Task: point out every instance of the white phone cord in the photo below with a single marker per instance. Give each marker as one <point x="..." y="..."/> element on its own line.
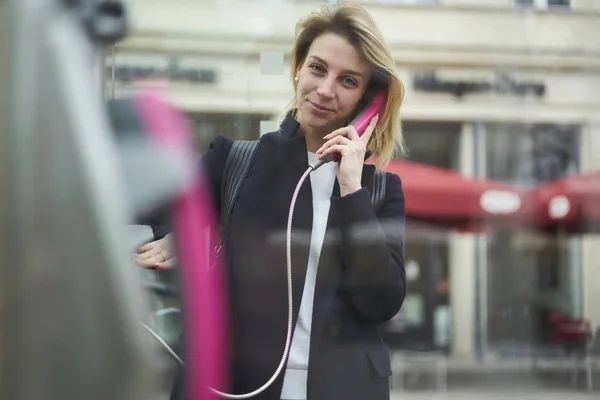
<point x="288" y="338"/>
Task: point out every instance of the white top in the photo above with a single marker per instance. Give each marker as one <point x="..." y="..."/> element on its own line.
<point x="294" y="381"/>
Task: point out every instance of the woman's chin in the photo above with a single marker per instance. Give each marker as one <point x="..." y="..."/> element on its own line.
<point x="319" y="123"/>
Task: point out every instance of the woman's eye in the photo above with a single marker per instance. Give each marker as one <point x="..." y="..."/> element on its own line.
<point x="316" y="67"/>
<point x="350" y="81"/>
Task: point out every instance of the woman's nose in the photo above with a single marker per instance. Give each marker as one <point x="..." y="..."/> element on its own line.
<point x="326" y="88"/>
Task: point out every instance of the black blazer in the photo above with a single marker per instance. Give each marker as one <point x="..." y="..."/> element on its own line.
<point x="360" y="282"/>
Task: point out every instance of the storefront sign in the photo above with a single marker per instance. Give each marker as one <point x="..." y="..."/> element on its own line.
<point x="173" y="72"/>
<point x="503" y="84"/>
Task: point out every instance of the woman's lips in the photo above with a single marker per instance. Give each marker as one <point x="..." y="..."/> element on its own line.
<point x="320" y="108"/>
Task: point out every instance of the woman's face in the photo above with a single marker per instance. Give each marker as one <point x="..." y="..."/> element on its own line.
<point x="331" y="82"/>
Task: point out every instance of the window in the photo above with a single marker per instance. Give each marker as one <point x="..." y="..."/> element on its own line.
<point x="234" y="126"/>
<point x="530" y="275"/>
<point x="543" y="4"/>
<point x="432" y="143"/>
<point x="531" y="154"/>
<point x="419" y="2"/>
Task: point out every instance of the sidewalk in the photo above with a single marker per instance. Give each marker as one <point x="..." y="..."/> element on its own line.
<point x="483" y="395"/>
<point x="509" y="377"/>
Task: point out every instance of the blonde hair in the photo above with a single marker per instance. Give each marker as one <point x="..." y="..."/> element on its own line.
<point x="354" y="23"/>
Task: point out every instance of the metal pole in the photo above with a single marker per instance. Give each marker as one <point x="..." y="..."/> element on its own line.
<point x="7" y="286"/>
<point x="99" y="70"/>
<point x="112" y="71"/>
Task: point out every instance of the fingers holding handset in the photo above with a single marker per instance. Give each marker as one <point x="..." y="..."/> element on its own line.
<point x="347" y="141"/>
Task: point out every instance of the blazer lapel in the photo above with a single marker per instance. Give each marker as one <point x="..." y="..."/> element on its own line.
<point x="291" y="158"/>
<point x="292" y="161"/>
<point x="330" y="266"/>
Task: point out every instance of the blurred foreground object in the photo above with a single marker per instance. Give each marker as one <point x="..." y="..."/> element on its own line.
<point x="146" y="125"/>
<point x="71" y="305"/>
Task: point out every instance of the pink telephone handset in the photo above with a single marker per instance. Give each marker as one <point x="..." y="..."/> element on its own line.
<point x="364" y="117"/>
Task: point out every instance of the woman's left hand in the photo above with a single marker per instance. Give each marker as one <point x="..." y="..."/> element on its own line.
<point x="352" y="148"/>
<point x="157" y="254"/>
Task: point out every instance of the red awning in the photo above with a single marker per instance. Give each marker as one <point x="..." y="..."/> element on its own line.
<point x="572" y="202"/>
<point x="442" y="195"/>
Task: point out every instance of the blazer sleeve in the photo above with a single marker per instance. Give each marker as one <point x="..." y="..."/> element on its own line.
<point x="212" y="165"/>
<point x="372" y="247"/>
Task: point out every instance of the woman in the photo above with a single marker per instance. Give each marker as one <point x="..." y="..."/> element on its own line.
<point x="348" y="263"/>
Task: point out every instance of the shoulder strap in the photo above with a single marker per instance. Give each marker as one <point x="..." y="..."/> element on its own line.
<point x="378" y="189"/>
<point x="237" y="165"/>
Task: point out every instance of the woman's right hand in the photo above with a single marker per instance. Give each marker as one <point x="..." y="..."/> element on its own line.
<point x="157" y="254"/>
